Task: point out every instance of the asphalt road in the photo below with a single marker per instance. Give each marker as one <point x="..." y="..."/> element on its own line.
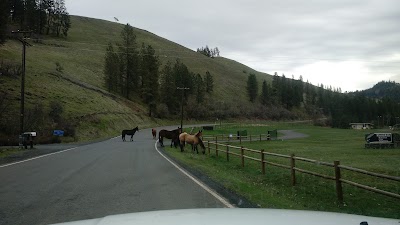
<point x="96" y="180"/>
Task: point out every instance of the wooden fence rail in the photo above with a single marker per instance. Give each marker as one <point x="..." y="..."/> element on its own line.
<point x="228" y="150"/>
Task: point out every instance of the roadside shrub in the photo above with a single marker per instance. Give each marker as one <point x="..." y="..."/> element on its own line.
<point x="56" y="109"/>
<point x="162" y="111"/>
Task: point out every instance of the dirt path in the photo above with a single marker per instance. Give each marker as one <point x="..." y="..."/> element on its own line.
<point x="290" y="134"/>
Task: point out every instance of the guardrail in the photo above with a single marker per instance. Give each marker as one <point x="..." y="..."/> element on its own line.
<point x="241" y="153"/>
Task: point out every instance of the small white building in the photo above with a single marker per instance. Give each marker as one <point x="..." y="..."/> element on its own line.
<point x="361" y="126"/>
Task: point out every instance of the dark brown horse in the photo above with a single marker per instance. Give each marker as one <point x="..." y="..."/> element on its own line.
<point x="173" y="135"/>
<point x="129" y="132"/>
<point x="194" y="140"/>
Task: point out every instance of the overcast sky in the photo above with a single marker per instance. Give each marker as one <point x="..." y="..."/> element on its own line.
<point x="347" y="44"/>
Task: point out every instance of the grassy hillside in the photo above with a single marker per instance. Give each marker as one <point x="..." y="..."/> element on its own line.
<point x="79" y="87"/>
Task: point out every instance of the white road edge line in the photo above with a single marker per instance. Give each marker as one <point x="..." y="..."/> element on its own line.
<point x="38" y="157"/>
<point x="205" y="187"/>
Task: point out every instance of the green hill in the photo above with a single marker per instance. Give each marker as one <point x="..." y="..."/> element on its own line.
<point x="79" y="87"/>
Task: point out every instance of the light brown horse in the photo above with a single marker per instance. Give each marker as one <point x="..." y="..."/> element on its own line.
<point x="194" y="140"/>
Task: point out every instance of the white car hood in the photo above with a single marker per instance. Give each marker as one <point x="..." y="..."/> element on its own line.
<point x="238" y="216"/>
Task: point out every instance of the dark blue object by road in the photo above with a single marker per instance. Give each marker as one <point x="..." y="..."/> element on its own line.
<point x="58" y="133"/>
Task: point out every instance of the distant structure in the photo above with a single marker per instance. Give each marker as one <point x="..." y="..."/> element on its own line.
<point x="361" y="126"/>
<point x="116" y="19"/>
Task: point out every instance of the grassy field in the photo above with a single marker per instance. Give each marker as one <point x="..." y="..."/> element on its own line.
<point x="273" y="190"/>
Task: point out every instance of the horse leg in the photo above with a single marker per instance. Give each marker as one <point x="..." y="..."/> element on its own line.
<point x="160" y="139"/>
<point x="123" y="137"/>
<point x="132" y="137"/>
<point x="181" y="145"/>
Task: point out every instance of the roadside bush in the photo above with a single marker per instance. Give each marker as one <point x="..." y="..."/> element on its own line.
<point x="162" y="111"/>
<point x="56" y="109"/>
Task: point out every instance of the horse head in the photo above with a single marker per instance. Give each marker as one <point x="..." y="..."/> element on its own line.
<point x="136" y="128"/>
<point x="199" y="134"/>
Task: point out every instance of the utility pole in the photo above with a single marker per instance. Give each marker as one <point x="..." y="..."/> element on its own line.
<point x="24" y="44"/>
<point x="183" y="90"/>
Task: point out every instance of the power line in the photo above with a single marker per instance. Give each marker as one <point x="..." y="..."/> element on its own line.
<point x="269" y="59"/>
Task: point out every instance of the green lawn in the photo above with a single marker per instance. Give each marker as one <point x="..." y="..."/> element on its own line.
<point x="273" y="190"/>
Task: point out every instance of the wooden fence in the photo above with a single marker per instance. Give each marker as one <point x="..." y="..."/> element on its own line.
<point x="337" y="168"/>
<point x="233" y="138"/>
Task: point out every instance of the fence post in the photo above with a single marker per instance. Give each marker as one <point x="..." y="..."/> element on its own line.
<point x="260" y="137"/>
<point x="216" y="146"/>
<point x="292" y="171"/>
<point x="240" y="139"/>
<point x="242" y="155"/>
<point x="262" y="162"/>
<point x="339" y="191"/>
<point x="208" y="145"/>
<point x="227" y="153"/>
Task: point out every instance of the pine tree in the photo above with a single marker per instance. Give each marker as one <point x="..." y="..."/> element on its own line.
<point x="265" y="93"/>
<point x="252" y="87"/>
<point x="111" y="69"/>
<point x="129" y="60"/>
<point x="149" y="74"/>
<point x="168" y="88"/>
<point x="209" y="82"/>
<point x="199" y="86"/>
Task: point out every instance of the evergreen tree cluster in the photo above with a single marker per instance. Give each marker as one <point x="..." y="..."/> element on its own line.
<point x="389" y="89"/>
<point x="48" y="17"/>
<point x="178" y="76"/>
<point x="325" y="102"/>
<point x="209" y="52"/>
<point x="135" y="73"/>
